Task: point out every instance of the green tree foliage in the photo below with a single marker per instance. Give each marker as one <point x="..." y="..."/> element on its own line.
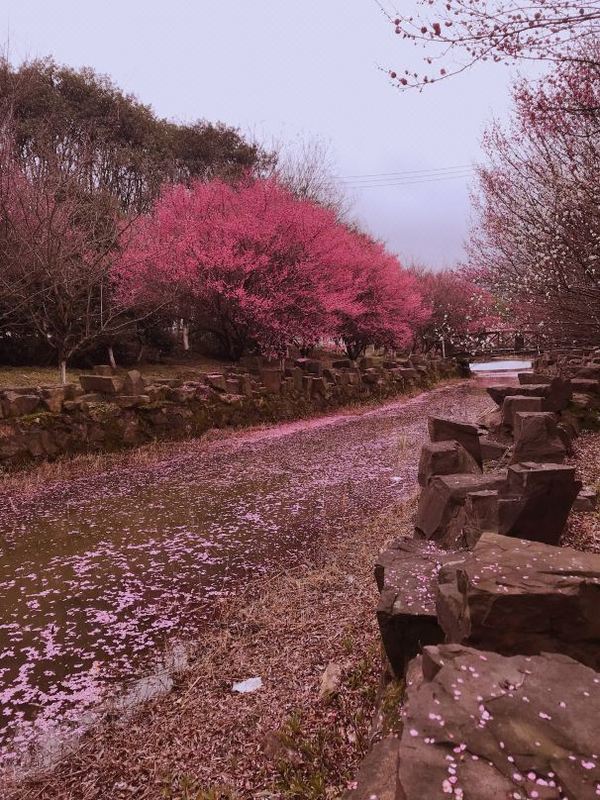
<point x="112" y="141"/>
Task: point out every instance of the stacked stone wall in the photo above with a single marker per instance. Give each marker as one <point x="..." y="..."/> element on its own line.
<point x="109" y="411"/>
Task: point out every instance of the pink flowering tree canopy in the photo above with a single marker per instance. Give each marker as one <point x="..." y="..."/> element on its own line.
<point x="260" y="269"/>
<point x="388" y="303"/>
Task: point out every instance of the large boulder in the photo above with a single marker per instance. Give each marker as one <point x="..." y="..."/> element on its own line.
<point x="443" y="429"/>
<point x="515" y="403"/>
<point x="537" y="501"/>
<point x="444" y="458"/>
<point x="533" y="377"/>
<point x="556" y="394"/>
<point x="101" y="384"/>
<point x="516" y="596"/>
<point x="480" y="726"/>
<point x="406" y="575"/>
<point x="441" y="513"/>
<point x="537" y="438"/>
<point x="15" y="404"/>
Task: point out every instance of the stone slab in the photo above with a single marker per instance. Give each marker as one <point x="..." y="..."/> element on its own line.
<point x="101" y="384"/>
<point x="440" y="514"/>
<point x="481" y="726"/>
<point x="516" y="403"/>
<point x="406" y="575"/>
<point x="556" y="394"/>
<point x="444" y="458"/>
<point x="515" y="596"/>
<point x="443" y="429"/>
<point x="537" y="501"/>
<point x="537" y="438"/>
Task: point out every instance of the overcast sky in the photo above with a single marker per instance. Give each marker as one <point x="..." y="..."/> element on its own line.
<point x="285" y="70"/>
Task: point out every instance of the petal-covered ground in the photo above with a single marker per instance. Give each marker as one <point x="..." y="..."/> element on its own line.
<point x="97" y="574"/>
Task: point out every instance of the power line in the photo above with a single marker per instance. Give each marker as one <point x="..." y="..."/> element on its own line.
<point x="411" y="182"/>
<point x="405" y="173"/>
<point x="404" y="182"/>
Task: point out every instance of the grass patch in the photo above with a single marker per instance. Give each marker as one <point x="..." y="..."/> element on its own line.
<point x="49" y="376"/>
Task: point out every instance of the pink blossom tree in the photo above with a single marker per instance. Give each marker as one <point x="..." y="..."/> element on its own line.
<point x="388" y="304"/>
<point x="251" y="264"/>
<point x="262" y="269"/>
<point x="460" y="310"/>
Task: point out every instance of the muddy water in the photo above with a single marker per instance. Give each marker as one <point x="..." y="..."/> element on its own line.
<point x="97" y="574"/>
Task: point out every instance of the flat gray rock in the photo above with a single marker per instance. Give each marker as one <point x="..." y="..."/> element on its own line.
<point x="481" y="726"/>
<point x="440" y="515"/>
<point x="444" y="429"/>
<point x="406" y="575"/>
<point x="520" y="597"/>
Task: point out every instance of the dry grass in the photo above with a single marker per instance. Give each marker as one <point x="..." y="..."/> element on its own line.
<point x="44" y="376"/>
<point x="40" y="475"/>
<point x="34" y="376"/>
<point x="583" y="530"/>
<point x="203" y="742"/>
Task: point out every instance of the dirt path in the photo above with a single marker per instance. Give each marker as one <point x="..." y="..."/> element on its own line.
<point x="97" y="573"/>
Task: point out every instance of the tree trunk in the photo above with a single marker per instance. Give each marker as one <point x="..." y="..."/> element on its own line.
<point x="111" y="357"/>
<point x="185" y="331"/>
<point x="62" y="368"/>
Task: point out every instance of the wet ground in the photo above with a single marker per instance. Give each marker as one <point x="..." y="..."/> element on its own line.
<point x="97" y="574"/>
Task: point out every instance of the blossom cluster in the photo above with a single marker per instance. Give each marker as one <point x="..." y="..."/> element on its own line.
<point x="260" y="269"/>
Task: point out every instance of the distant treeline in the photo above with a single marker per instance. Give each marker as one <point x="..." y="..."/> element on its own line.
<point x="112" y="141"/>
<point x="121" y="232"/>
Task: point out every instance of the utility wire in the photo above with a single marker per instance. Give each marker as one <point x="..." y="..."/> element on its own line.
<point x="405" y="173"/>
<point x="410" y="182"/>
